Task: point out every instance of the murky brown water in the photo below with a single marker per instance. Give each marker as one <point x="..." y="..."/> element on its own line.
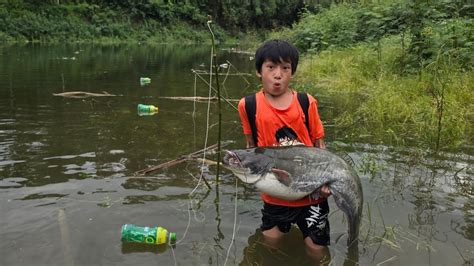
<point x="66" y="168"/>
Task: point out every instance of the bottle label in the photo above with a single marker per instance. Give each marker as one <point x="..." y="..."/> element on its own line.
<point x="148" y="235"/>
<point x="161" y="235"/>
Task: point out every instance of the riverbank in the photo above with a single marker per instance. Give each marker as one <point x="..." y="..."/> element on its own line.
<point x="404" y="70"/>
<point x="431" y="109"/>
<point x="402" y="74"/>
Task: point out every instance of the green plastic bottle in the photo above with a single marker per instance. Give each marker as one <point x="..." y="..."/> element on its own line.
<point x="146" y="109"/>
<point x="145" y="81"/>
<point x="147" y="235"/>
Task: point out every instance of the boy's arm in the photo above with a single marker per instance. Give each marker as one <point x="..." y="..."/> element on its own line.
<point x="316" y="126"/>
<point x="249" y="140"/>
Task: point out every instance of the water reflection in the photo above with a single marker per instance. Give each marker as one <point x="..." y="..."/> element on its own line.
<point x="291" y="250"/>
<point x="79" y="154"/>
<point x="141" y="248"/>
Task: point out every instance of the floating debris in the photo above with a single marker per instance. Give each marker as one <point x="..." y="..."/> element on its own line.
<point x="146" y="109"/>
<point x="83" y="94"/>
<point x="145" y="81"/>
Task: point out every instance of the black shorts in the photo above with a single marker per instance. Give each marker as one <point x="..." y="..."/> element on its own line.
<point x="312" y="220"/>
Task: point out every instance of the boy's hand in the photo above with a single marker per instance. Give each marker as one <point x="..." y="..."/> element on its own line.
<point x="324" y="192"/>
<point x="319" y="143"/>
<point x="249" y="141"/>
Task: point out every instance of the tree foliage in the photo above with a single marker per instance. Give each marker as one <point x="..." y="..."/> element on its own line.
<point x="426" y="26"/>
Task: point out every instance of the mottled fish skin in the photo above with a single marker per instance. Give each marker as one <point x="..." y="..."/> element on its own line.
<point x="308" y="168"/>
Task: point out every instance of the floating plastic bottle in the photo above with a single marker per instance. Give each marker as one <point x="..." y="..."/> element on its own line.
<point x="145" y="81"/>
<point x="147" y="235"/>
<point x="146" y="109"/>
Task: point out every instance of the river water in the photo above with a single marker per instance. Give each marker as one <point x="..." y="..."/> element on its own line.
<point x="67" y="169"/>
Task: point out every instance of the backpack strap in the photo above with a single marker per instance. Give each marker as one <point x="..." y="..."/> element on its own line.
<point x="304" y="103"/>
<point x="251" y="109"/>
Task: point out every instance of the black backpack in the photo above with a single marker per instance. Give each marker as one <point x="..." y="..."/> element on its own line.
<point x="251" y="109"/>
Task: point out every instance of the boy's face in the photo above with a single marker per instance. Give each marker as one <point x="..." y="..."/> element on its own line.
<point x="275" y="77"/>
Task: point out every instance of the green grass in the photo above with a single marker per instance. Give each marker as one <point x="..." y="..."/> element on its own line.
<point x="372" y="97"/>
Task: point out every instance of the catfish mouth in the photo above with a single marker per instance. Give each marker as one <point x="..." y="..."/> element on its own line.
<point x="233" y="162"/>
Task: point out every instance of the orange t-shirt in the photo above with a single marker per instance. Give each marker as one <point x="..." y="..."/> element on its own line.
<point x="276" y="126"/>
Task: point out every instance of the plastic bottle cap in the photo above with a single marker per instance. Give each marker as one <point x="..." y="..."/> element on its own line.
<point x="172" y="237"/>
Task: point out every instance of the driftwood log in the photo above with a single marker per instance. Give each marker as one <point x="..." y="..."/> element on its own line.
<point x="197" y="98"/>
<point x="83" y="94"/>
<point x="191" y="98"/>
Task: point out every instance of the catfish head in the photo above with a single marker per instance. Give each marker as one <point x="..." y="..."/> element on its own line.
<point x="248" y="165"/>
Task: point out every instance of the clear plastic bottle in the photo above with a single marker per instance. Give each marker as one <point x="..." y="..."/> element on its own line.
<point x="148" y="235"/>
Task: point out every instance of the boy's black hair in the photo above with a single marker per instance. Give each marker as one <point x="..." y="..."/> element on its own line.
<point x="276" y="51"/>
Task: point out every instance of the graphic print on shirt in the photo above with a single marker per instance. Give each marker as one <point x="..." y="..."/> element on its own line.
<point x="286" y="136"/>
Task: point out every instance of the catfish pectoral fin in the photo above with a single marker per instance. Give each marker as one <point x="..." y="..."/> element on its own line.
<point x="282" y="176"/>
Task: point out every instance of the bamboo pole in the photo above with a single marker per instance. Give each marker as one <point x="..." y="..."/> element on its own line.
<point x="214" y="55"/>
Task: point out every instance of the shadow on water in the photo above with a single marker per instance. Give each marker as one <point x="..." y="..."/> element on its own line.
<point x="128" y="248"/>
<point x="291" y="250"/>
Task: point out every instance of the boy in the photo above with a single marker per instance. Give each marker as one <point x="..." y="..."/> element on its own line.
<point x="280" y="120"/>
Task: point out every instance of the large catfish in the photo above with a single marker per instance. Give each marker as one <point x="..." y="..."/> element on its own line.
<point x="294" y="172"/>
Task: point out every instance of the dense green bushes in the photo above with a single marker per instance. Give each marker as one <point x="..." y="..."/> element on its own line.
<point x="94" y="23"/>
<point x="427" y="29"/>
<point x="92" y="20"/>
<point x="331" y="27"/>
<point x="401" y="72"/>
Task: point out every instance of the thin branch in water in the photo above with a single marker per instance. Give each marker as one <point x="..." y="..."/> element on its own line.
<point x="188" y="98"/>
<point x="240" y="73"/>
<point x="387" y="260"/>
<point x="83" y="94"/>
<point x="203" y="178"/>
<point x="62" y="79"/>
<point x="205" y="81"/>
<point x="175" y="161"/>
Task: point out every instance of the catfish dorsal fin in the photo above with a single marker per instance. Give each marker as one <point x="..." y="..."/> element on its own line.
<point x="282" y="176"/>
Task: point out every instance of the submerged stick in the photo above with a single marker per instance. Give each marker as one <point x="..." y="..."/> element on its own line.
<point x="83" y="94"/>
<point x="196" y="99"/>
<point x="222" y="74"/>
<point x="207" y="161"/>
<point x="65" y="238"/>
<point x="181" y="159"/>
<point x="191" y="98"/>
